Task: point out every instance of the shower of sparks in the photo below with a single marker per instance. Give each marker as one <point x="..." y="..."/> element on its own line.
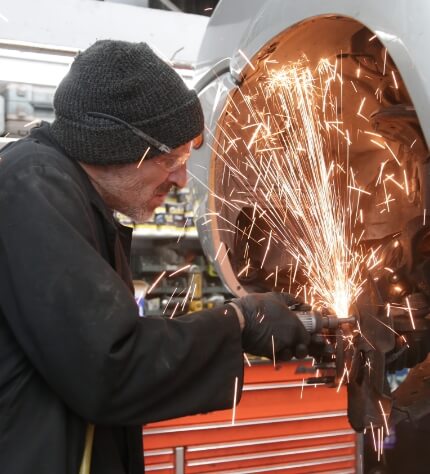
<point x="32" y="123"/>
<point x="179" y="270"/>
<point x="233" y="416"/>
<point x="403" y="338"/>
<point x="394" y="79"/>
<point x="143" y="157"/>
<point x="174" y="311"/>
<point x="292" y="167"/>
<point x="244" y="269"/>
<point x="267" y="250"/>
<point x="361" y="106"/>
<point x="307" y="194"/>
<point x="194" y="291"/>
<point x="218" y="251"/>
<point x="156" y="282"/>
<point x="184" y="302"/>
<point x="410" y="313"/>
<point x="283" y="152"/>
<point x="392" y="153"/>
<point x="368" y="365"/>
<point x="380" y="440"/>
<point x="405" y="177"/>
<point x="169" y="300"/>
<point x="384" y="416"/>
<point x="184" y="230"/>
<point x="373" y="435"/>
<point x="378" y="144"/>
<point x="245" y="57"/>
<point x="345" y="372"/>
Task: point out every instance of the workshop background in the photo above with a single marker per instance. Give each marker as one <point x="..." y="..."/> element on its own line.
<point x="282" y="424"/>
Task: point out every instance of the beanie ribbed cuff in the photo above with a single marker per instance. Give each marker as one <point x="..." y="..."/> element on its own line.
<point x="101" y="141"/>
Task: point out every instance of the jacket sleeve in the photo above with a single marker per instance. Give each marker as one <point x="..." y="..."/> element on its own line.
<point x="78" y="323"/>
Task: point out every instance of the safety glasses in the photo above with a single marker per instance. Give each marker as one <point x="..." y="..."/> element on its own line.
<point x="171" y="161"/>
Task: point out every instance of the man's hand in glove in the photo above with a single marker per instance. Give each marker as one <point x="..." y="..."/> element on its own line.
<point x="268" y="326"/>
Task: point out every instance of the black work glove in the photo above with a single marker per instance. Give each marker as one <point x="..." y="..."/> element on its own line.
<point x="267" y="315"/>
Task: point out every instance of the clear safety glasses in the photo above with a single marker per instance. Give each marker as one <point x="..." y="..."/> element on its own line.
<point x="171" y="161"/>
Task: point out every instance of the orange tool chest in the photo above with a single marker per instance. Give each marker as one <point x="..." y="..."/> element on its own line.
<point x="280" y="425"/>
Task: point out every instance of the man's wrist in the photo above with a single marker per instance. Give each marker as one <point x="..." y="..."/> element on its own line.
<point x="240" y="316"/>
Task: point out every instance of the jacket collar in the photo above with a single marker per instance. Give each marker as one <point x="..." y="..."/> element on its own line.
<point x="42" y="133"/>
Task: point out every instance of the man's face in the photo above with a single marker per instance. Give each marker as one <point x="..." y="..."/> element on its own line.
<point x="136" y="189"/>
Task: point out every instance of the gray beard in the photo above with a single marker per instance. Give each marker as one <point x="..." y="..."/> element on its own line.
<point x="138" y="215"/>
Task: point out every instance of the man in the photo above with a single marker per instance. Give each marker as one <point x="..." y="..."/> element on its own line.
<point x="78" y="367"/>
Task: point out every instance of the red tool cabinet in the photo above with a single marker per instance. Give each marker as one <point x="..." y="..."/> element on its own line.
<point x="280" y="425"/>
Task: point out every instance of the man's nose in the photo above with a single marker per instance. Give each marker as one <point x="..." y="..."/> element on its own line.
<point x="179" y="177"/>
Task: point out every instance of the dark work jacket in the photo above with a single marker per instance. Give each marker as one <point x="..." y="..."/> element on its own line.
<point x="73" y="349"/>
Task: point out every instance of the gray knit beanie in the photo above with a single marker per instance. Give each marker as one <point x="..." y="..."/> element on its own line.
<point x="130" y="82"/>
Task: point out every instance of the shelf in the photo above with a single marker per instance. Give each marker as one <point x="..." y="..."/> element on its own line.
<point x="154" y="268"/>
<point x="160" y="268"/>
<point x="215" y="289"/>
<point x="155" y="312"/>
<point x="166" y="314"/>
<point x="165" y="291"/>
<point x="169" y="291"/>
<point x="166" y="233"/>
<point x="5" y="140"/>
